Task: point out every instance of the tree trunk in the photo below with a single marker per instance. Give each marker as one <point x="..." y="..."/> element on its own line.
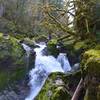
<point x="77" y="91"/>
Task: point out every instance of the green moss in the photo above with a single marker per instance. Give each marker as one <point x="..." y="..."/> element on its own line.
<point x="53" y="91"/>
<point x="12" y="60"/>
<point x="29" y="42"/>
<point x="80" y="45"/>
<point x="97" y="47"/>
<point x="51" y="46"/>
<point x="9" y="47"/>
<point x="11" y="76"/>
<point x="91" y="66"/>
<point x="13" y="64"/>
<point x="52" y="42"/>
<point x="18" y="36"/>
<point x="60" y="94"/>
<point x="41" y="38"/>
<point x="3" y="79"/>
<point x="91" y="61"/>
<point x="18" y="74"/>
<point x="85" y="45"/>
<point x="1" y="34"/>
<point x="11" y="26"/>
<point x="92" y="53"/>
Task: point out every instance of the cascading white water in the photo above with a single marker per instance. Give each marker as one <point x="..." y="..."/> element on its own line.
<point x="44" y="65"/>
<point x="63" y="60"/>
<point x="27" y="49"/>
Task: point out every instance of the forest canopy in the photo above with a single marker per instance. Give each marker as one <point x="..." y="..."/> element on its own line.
<point x="54" y="16"/>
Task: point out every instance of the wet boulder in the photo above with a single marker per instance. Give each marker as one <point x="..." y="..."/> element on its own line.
<point x="52" y="47"/>
<point x="29" y="42"/>
<point x="13" y="64"/>
<point x="11" y="52"/>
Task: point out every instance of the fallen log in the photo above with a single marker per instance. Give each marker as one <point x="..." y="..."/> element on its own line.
<point x="77" y="91"/>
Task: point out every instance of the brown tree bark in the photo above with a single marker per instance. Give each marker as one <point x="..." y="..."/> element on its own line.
<point x="77" y="91"/>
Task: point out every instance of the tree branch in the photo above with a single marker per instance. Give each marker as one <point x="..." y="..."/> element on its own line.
<point x="60" y="25"/>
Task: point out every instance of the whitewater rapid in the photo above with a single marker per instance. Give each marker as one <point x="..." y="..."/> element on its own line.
<point x="45" y="65"/>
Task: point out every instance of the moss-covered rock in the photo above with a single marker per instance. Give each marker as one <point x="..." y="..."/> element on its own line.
<point x="18" y="36"/>
<point x="54" y="89"/>
<point x="91" y="67"/>
<point x="91" y="62"/>
<point x="41" y="38"/>
<point x="77" y="48"/>
<point x="29" y="42"/>
<point x="59" y="86"/>
<point x="13" y="64"/>
<point x="81" y="46"/>
<point x="52" y="47"/>
<point x="11" y="53"/>
<point x="3" y="79"/>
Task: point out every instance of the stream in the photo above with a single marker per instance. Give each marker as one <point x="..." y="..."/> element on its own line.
<point x="44" y="66"/>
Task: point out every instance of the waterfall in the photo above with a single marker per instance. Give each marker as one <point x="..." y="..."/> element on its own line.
<point x="63" y="60"/>
<point x="44" y="65"/>
<point x="28" y="50"/>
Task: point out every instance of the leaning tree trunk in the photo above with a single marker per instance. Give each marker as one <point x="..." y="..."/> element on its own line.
<point x="77" y="91"/>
